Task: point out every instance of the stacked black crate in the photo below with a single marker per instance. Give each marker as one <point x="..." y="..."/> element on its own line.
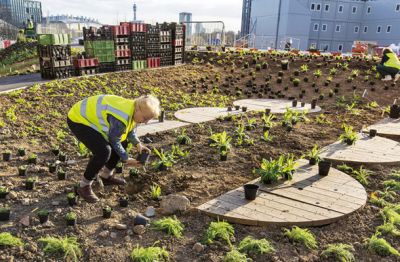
<point x="137" y="44"/>
<point x="166" y="45"/>
<point x="54" y="56"/>
<point x="153" y="45"/>
<point x="123" y="59"/>
<point x="178" y="43"/>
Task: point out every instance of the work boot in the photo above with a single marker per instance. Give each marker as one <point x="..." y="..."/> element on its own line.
<point x="387" y="78"/>
<point x="87" y="194"/>
<point x="111" y="181"/>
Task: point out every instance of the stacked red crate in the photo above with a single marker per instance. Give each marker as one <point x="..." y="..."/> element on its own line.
<point x="89" y="62"/>
<point x="153" y="62"/>
<point x="138" y="27"/>
<point x="6" y="43"/>
<point x="123" y="53"/>
<point x="121" y="30"/>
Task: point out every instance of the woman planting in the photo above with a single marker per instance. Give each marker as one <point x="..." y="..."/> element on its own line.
<point x="390" y="66"/>
<point x="105" y="124"/>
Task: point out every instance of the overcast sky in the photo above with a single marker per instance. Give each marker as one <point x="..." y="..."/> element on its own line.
<point x="111" y="11"/>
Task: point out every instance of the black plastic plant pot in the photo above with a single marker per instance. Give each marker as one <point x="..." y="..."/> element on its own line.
<point x="43" y="218"/>
<point x="313" y="103"/>
<point x="52" y="168"/>
<point x="118" y="169"/>
<point x="32" y="161"/>
<point x="21" y="152"/>
<point x="285" y="66"/>
<point x="294" y="103"/>
<point x="162" y="167"/>
<point x="161" y="116"/>
<point x="210" y="141"/>
<point x="312" y="161"/>
<point x="76" y="187"/>
<point x="289" y="128"/>
<point x="373" y="132"/>
<point x="266" y="128"/>
<point x="107" y="213"/>
<point x="7" y="156"/>
<point x="349" y="142"/>
<point x="62" y="175"/>
<point x="323" y="168"/>
<point x="303" y="104"/>
<point x="143" y="157"/>
<point x="123" y="202"/>
<point x="267" y="111"/>
<point x="72" y="201"/>
<point x="244" y="108"/>
<point x="237" y="107"/>
<point x="62" y="157"/>
<point x="22" y="171"/>
<point x="229" y="108"/>
<point x="5" y="216"/>
<point x="394" y="112"/>
<point x="71" y="222"/>
<point x="29" y="185"/>
<point x="55" y="151"/>
<point x="250" y="191"/>
<point x="224" y="157"/>
<point x="140" y="220"/>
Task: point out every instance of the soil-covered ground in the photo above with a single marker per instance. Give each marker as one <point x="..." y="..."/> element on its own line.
<point x="35" y="119"/>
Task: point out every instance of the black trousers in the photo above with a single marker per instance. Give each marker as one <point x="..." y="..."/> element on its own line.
<point x="103" y="154"/>
<point x="385" y="70"/>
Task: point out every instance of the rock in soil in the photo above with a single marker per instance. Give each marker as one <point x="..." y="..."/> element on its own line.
<point x="104" y="233"/>
<point x="198" y="247"/>
<point x="26" y="202"/>
<point x="121" y="226"/>
<point x="139" y="229"/>
<point x="25" y="221"/>
<point x="113" y="235"/>
<point x="150" y="212"/>
<point x="174" y="203"/>
<point x="141" y="220"/>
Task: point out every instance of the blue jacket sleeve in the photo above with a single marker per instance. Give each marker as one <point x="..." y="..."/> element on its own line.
<point x="117" y="128"/>
<point x="133" y="138"/>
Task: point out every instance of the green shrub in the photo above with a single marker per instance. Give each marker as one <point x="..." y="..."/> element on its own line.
<point x="150" y="254"/>
<point x="303" y="236"/>
<point x="235" y="256"/>
<point x="339" y="252"/>
<point x="251" y="246"/>
<point x="171" y="225"/>
<point x="67" y="246"/>
<point x="6" y="239"/>
<point x="222" y="230"/>
<point x="380" y="246"/>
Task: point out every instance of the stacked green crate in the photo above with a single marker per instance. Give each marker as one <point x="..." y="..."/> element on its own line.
<point x="139" y="64"/>
<point x="54" y="39"/>
<point x="102" y="49"/>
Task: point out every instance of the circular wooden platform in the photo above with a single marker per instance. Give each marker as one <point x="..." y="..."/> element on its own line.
<point x="387" y="127"/>
<point x="377" y="150"/>
<point x="202" y="114"/>
<point x="155" y="126"/>
<point x="277" y="106"/>
<point x="307" y="200"/>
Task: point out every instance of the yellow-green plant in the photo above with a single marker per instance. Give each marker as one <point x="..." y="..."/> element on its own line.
<point x="362" y="175"/>
<point x="155" y="192"/>
<point x="303" y="236"/>
<point x="149" y="254"/>
<point x="380" y="246"/>
<point x="339" y="252"/>
<point x="252" y="246"/>
<point x="171" y="225"/>
<point x="219" y="230"/>
<point x="67" y="246"/>
<point x="235" y="256"/>
<point x="6" y="239"/>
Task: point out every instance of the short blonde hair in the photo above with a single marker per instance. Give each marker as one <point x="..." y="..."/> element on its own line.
<point x="148" y="105"/>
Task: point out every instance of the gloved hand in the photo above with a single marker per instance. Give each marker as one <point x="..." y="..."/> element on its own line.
<point x="141" y="148"/>
<point x="131" y="162"/>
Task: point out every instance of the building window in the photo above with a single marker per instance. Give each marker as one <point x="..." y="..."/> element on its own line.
<point x="354" y="9"/>
<point x="316" y="26"/>
<point x="340" y="47"/>
<point x="325" y="47"/>
<point x="397" y="7"/>
<point x="313" y="46"/>
<point x="312" y="7"/>
<point x="368" y="10"/>
<point x="326" y="8"/>
<point x="365" y="29"/>
<point x="27" y="10"/>
<point x="340" y="9"/>
<point x="356" y="29"/>
<point x="324" y="27"/>
<point x="337" y="29"/>
<point x="378" y="29"/>
<point x="388" y="29"/>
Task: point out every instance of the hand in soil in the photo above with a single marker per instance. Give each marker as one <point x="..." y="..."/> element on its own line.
<point x="132" y="163"/>
<point x="141" y="148"/>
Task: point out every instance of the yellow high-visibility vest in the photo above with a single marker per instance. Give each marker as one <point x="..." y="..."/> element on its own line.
<point x="93" y="112"/>
<point x="393" y="61"/>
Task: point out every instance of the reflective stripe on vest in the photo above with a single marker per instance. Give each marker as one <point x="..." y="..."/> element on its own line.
<point x="393" y="61"/>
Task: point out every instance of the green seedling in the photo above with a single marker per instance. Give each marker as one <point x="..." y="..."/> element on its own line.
<point x="235" y="256"/>
<point x="339" y="252"/>
<point x="362" y="175"/>
<point x="150" y="254"/>
<point x="380" y="246"/>
<point x="6" y="239"/>
<point x="67" y="246"/>
<point x="388" y="229"/>
<point x="183" y="138"/>
<point x="171" y="225"/>
<point x="303" y="236"/>
<point x="219" y="230"/>
<point x="155" y="192"/>
<point x="349" y="136"/>
<point x="252" y="246"/>
<point x="70" y="216"/>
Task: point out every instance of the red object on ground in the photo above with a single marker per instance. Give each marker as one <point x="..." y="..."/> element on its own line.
<point x="6" y="43"/>
<point x="89" y="62"/>
<point x="120" y="30"/>
<point x="153" y="62"/>
<point x="138" y="27"/>
<point x="123" y="53"/>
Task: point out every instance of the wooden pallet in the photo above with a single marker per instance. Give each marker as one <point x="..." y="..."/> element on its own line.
<point x="377" y="150"/>
<point x="154" y="126"/>
<point x="277" y="106"/>
<point x="307" y="200"/>
<point x="202" y="114"/>
<point x="388" y="127"/>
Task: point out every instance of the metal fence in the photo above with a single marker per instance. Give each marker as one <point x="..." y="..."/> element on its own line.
<point x="267" y="42"/>
<point x="204" y="33"/>
<point x="7" y="31"/>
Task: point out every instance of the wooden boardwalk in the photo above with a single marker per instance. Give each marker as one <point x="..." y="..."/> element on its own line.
<point x="388" y="127"/>
<point x="154" y="126"/>
<point x="377" y="150"/>
<point x="202" y="114"/>
<point x="277" y="106"/>
<point x="307" y="200"/>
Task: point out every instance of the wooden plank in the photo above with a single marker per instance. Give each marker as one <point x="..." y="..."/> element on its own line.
<point x="388" y="127"/>
<point x="155" y="126"/>
<point x="277" y="106"/>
